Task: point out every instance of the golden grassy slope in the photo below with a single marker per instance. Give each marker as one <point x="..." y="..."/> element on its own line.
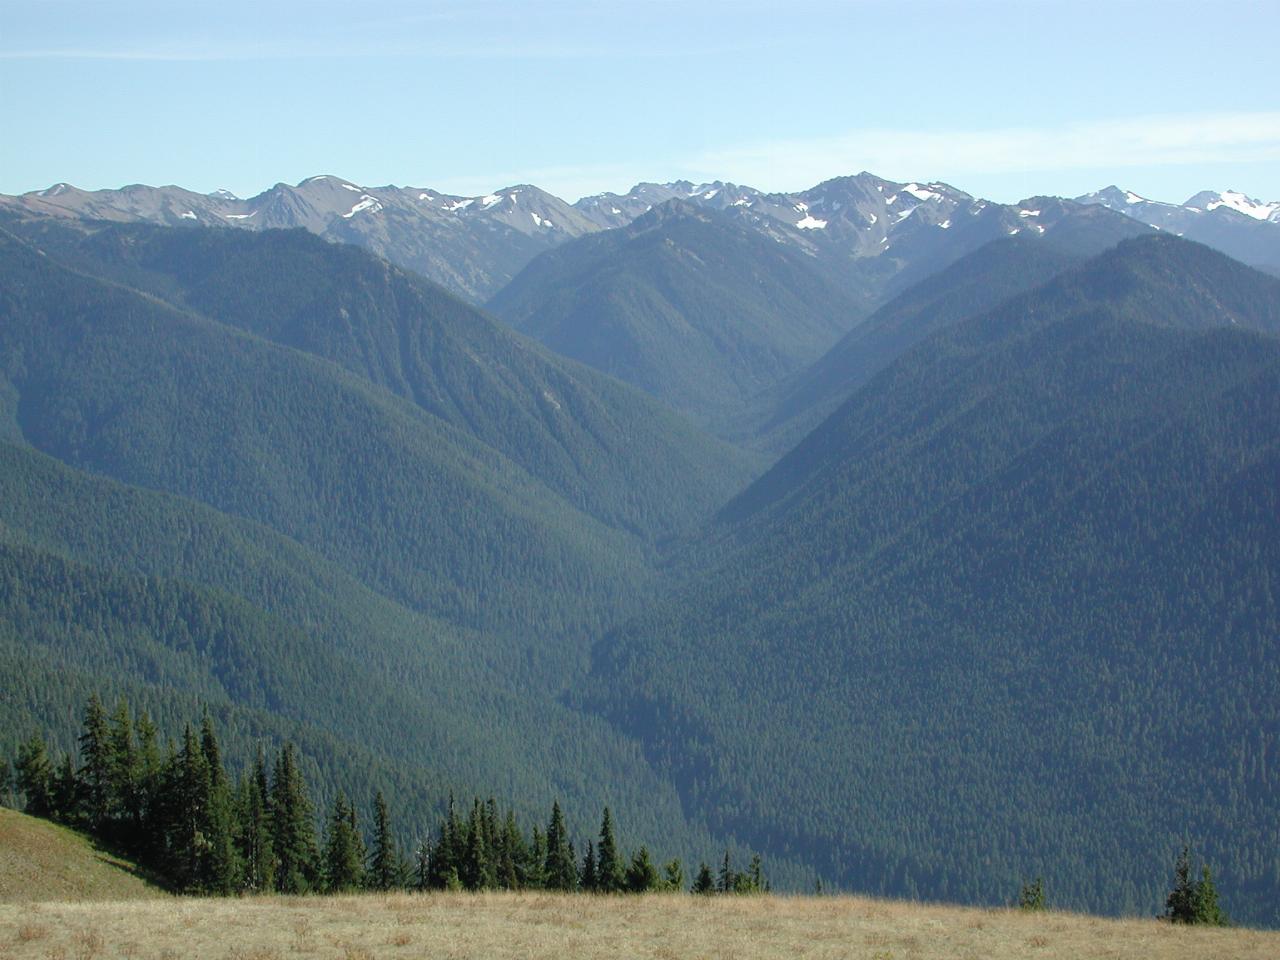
<point x="526" y="926"/>
<point x="42" y="861"/>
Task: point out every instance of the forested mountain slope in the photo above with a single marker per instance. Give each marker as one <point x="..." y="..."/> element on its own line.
<point x="1009" y="611"/>
<point x="605" y="449"/>
<point x="198" y="512"/>
<point x="781" y="416"/>
<point x="684" y="303"/>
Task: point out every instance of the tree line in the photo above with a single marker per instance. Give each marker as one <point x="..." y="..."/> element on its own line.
<point x="178" y="812"/>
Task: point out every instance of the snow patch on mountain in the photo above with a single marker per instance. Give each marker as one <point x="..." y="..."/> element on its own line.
<point x="921" y="193"/>
<point x="372" y="204"/>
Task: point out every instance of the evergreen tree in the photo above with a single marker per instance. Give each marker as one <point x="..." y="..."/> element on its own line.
<point x="253" y="839"/>
<point x="343" y="857"/>
<point x="65" y="792"/>
<point x="610" y="877"/>
<point x="590" y="881"/>
<point x="536" y="864"/>
<point x="673" y="876"/>
<point x="189" y="801"/>
<point x="726" y="880"/>
<point x="422" y="867"/>
<point x="476" y="872"/>
<point x="752" y="881"/>
<point x="642" y="875"/>
<point x="561" y="870"/>
<point x="1190" y="900"/>
<point x="1206" y="909"/>
<point x="96" y="767"/>
<point x="704" y="883"/>
<point x="446" y="858"/>
<point x="514" y="855"/>
<point x="126" y="779"/>
<point x="150" y="838"/>
<point x="34" y="778"/>
<point x="1031" y="897"/>
<point x="292" y="830"/>
<point x="384" y="867"/>
<point x="221" y="866"/>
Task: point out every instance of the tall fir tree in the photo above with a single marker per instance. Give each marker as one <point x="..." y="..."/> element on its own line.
<point x="725" y="882"/>
<point x="34" y="778"/>
<point x="221" y="866"/>
<point x="66" y="792"/>
<point x="514" y="853"/>
<point x="292" y="829"/>
<point x="610" y="875"/>
<point x="343" y="856"/>
<point x="590" y="881"/>
<point x="189" y="799"/>
<point x="422" y="866"/>
<point x="477" y="867"/>
<point x="95" y="767"/>
<point x="253" y="838"/>
<point x="561" y="870"/>
<point x="149" y="841"/>
<point x="384" y="865"/>
<point x="126" y="779"/>
<point x="536" y="868"/>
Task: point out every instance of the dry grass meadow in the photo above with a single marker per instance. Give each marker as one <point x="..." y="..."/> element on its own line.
<point x="528" y="926"/>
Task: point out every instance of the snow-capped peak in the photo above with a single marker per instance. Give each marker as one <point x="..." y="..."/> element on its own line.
<point x="1239" y="202"/>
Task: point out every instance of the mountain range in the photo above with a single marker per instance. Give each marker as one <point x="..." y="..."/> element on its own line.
<point x="1238" y="225"/>
<point x="921" y="544"/>
<point x="874" y="235"/>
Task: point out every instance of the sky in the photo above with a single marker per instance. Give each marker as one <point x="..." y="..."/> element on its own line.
<point x="1002" y="99"/>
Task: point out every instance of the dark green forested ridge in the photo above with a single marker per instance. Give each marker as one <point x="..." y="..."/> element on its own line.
<point x="1010" y="611"/>
<point x="683" y="303"/>
<point x="173" y="806"/>
<point x="976" y="282"/>
<point x="607" y="450"/>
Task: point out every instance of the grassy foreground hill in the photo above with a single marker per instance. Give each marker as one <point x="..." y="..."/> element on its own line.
<point x="42" y="861"/>
<point x="529" y="926"/>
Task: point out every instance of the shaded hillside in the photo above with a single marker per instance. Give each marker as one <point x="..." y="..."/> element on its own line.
<point x="783" y="415"/>
<point x="1009" y="611"/>
<point x="607" y="450"/>
<point x="684" y="303"/>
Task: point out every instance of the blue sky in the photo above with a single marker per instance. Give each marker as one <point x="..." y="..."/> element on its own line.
<point x="1003" y="99"/>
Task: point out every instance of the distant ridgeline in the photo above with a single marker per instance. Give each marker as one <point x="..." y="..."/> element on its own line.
<point x="179" y="813"/>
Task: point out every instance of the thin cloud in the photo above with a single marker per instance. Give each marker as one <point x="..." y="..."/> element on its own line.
<point x="794" y="164"/>
<point x="1144" y="141"/>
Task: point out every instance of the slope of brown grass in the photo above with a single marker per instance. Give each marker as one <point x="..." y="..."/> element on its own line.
<point x="531" y="926"/>
<point x="42" y="861"/>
